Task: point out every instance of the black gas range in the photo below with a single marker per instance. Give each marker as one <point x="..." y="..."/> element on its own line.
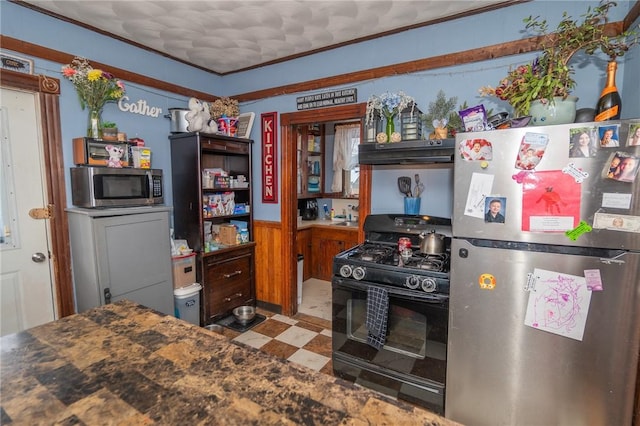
<point x="411" y="362"/>
<point x="378" y="259"/>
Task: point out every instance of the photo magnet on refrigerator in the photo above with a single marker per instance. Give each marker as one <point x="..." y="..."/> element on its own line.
<point x="532" y="148"/>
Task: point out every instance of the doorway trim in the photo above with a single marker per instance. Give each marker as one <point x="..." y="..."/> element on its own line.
<point x="47" y="90"/>
<point x="289" y="201"/>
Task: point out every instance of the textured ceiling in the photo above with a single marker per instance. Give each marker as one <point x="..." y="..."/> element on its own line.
<point x="227" y="36"/>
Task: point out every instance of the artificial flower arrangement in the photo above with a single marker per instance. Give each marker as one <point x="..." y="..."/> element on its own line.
<point x="95" y="87"/>
<point x="550" y="74"/>
<point x="224" y="107"/>
<point x="388" y="105"/>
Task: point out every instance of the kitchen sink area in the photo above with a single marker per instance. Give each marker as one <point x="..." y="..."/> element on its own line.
<point x="345" y="223"/>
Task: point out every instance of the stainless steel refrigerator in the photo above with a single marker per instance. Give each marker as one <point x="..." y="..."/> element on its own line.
<point x="544" y="322"/>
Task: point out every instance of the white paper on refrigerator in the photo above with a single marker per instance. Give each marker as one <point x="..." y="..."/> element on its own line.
<point x="558" y="303"/>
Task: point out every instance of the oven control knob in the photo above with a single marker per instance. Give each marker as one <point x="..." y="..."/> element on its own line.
<point x="358" y="273"/>
<point x="412" y="282"/>
<point x="345" y="271"/>
<point x="429" y="285"/>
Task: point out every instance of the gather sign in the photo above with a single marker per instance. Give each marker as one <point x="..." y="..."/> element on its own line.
<point x="141" y="107"/>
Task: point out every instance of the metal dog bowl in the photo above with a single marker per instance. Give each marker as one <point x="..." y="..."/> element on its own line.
<point x="215" y="328"/>
<point x="244" y="314"/>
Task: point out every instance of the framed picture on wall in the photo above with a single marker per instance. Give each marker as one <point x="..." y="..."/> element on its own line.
<point x="245" y="123"/>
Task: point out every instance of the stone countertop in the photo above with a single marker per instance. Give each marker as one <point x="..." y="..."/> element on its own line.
<point x="126" y="364"/>
<point x="333" y="224"/>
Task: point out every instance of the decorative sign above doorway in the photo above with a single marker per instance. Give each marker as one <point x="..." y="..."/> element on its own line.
<point x="328" y="99"/>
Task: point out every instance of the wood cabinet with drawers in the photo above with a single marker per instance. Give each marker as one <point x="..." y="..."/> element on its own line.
<point x="210" y="211"/>
<point x="229" y="277"/>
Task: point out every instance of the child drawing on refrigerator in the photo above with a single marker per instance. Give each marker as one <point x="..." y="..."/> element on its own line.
<point x="552" y="200"/>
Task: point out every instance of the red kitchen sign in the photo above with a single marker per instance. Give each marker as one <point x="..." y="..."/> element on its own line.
<point x="269" y="157"/>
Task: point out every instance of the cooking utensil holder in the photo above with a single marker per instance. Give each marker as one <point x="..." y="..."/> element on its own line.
<point x="412" y="205"/>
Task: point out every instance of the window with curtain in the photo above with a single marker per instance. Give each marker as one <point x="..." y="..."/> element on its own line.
<point x="345" y="158"/>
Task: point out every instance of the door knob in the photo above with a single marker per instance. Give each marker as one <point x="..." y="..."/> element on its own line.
<point x="38" y="257"/>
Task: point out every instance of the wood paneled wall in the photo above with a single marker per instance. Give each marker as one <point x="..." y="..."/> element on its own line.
<point x="270" y="274"/>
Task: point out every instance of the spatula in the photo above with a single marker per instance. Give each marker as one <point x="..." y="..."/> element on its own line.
<point x="419" y="189"/>
<point x="404" y="185"/>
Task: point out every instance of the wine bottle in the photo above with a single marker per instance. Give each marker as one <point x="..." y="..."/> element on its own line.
<point x="609" y="105"/>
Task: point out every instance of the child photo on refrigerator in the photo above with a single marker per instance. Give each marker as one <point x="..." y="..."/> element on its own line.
<point x="495" y="209"/>
<point x="608" y="136"/>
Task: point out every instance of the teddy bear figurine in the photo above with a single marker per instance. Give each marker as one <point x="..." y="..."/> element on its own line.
<point x="199" y="117"/>
<point x="115" y="155"/>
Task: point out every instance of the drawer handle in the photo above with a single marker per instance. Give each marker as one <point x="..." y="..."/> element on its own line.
<point x="235" y="296"/>
<point x="233" y="274"/>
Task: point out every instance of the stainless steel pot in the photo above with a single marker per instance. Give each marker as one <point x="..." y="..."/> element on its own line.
<point x="432" y="243"/>
<point x="178" y="118"/>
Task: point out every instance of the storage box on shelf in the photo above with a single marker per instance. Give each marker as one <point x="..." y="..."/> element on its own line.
<point x="95" y="152"/>
<point x="212" y="204"/>
<point x="184" y="270"/>
<point x="141" y="157"/>
<point x="99" y="152"/>
<point x="228" y="234"/>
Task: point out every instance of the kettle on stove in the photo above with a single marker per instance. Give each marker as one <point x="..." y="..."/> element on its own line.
<point x="309" y="209"/>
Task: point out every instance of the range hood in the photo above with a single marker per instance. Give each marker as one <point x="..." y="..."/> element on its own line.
<point x="407" y="152"/>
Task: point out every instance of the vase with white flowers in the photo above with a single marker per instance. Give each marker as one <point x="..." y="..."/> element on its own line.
<point x="388" y="105"/>
<point x="95" y="88"/>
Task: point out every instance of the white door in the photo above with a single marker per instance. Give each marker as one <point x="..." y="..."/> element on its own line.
<point x="26" y="280"/>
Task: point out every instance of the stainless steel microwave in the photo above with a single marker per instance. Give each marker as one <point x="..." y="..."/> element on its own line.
<point x="95" y="187"/>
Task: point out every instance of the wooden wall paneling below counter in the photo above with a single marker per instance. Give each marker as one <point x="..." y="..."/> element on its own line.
<point x="270" y="275"/>
<point x="303" y="240"/>
<point x="319" y="244"/>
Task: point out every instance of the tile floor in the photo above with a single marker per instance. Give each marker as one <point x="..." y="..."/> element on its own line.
<point x="304" y="339"/>
<point x="316" y="299"/>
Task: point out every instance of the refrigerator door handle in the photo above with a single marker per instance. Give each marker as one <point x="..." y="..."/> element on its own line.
<point x="615" y="259"/>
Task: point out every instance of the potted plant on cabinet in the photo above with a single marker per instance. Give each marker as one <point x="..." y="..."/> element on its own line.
<point x="548" y="80"/>
<point x="442" y="116"/>
<point x="109" y="131"/>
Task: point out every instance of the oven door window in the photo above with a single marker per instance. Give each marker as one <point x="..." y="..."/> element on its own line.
<point x="416" y="340"/>
<point x="407" y="330"/>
